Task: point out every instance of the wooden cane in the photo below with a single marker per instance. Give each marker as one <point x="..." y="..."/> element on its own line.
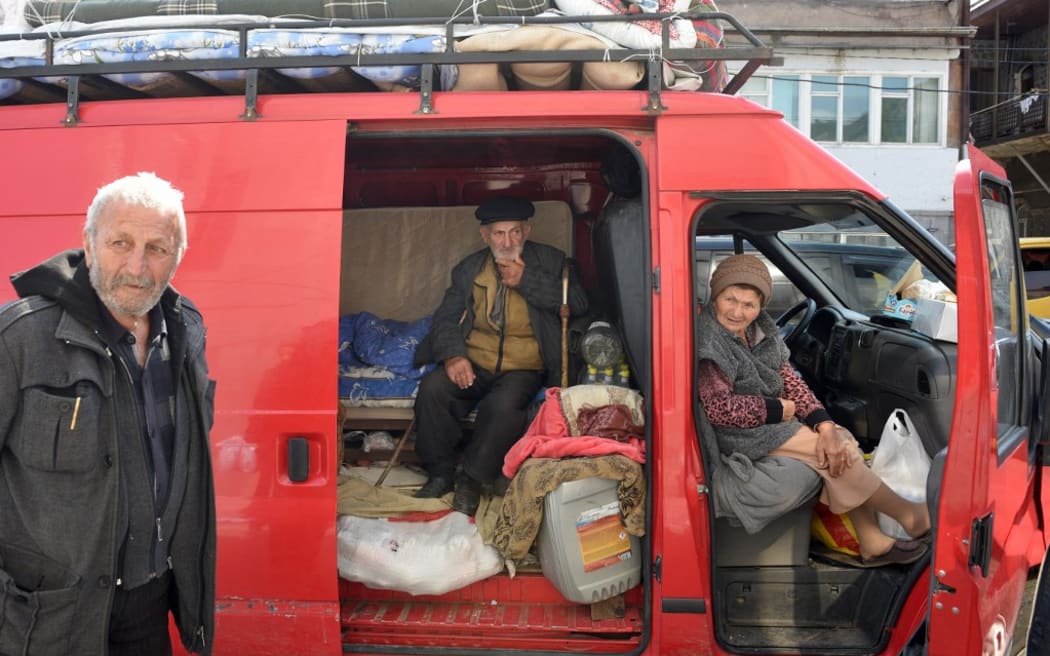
<point x="565" y="325"/>
<point x="397" y="452"/>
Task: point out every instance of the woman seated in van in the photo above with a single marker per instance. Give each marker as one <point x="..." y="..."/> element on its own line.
<point x="759" y="405"/>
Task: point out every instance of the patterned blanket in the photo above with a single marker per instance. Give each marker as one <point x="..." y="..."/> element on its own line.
<point x="39" y="12"/>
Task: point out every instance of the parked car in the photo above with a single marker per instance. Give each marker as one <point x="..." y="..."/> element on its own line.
<point x="861" y="273"/>
<point x="1035" y="256"/>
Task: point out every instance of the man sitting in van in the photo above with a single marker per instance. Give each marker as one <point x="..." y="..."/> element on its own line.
<point x="497" y="334"/>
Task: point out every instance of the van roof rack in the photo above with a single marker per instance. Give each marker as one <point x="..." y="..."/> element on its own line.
<point x="54" y="82"/>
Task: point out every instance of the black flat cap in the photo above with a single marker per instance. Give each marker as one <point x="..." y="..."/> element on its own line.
<point x="504" y="208"/>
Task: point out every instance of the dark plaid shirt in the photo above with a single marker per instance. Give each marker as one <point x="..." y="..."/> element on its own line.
<point x="154" y="393"/>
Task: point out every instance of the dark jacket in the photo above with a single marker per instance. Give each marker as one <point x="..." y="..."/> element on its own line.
<point x="59" y="484"/>
<point x="540" y="286"/>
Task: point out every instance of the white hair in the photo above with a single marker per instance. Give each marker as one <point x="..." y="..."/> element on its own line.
<point x="141" y="190"/>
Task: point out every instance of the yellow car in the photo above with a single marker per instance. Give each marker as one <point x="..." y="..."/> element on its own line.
<point x="1035" y="254"/>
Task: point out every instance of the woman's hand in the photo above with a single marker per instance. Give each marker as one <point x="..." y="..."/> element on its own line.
<point x="789" y="409"/>
<point x="835" y="450"/>
<point x="460" y="371"/>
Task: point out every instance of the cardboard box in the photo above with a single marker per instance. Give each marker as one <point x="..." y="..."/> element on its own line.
<point x="938" y="319"/>
<point x="899" y="308"/>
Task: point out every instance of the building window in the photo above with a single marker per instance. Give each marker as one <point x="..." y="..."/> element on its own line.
<point x="779" y="92"/>
<point x="892" y="109"/>
<point x="786" y="97"/>
<point x="910" y="103"/>
<point x="839" y="108"/>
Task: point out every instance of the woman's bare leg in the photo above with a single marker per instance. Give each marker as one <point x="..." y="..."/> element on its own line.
<point x="873" y="542"/>
<point x="913" y="516"/>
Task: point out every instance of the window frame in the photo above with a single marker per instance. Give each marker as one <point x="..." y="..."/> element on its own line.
<point x="762" y="89"/>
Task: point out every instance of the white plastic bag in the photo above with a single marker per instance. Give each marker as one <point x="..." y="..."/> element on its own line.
<point x="903" y="465"/>
<point x="432" y="557"/>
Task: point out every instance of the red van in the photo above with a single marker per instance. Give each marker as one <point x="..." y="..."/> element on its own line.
<point x="306" y="205"/>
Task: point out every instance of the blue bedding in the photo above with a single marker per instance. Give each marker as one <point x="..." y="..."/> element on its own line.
<point x="335" y="42"/>
<point x="18" y="53"/>
<point x="150" y="38"/>
<point x="375" y="358"/>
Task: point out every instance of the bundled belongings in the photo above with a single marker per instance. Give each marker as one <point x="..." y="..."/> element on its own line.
<point x="427" y="557"/>
<point x="39" y="12"/>
<point x="521" y="514"/>
<point x="582" y="420"/>
<point x="375" y="360"/>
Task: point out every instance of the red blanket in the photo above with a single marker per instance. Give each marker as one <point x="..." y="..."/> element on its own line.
<point x="548" y="436"/>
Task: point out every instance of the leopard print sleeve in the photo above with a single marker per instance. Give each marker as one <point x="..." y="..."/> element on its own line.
<point x="723" y="406"/>
<point x="807" y="407"/>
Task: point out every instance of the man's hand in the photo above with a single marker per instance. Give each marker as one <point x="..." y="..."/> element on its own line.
<point x="835" y="450"/>
<point x="460" y="371"/>
<point x="789" y="409"/>
<point x="510" y="270"/>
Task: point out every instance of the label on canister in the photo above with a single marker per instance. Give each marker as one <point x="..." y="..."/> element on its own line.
<point x="602" y="537"/>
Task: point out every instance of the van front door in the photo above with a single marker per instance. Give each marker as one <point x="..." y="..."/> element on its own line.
<point x="986" y="514"/>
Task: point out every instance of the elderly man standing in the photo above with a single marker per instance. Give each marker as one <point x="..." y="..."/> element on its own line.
<point x="107" y="518"/>
<point x="497" y="335"/>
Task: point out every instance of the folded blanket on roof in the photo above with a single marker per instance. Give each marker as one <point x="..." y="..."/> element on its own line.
<point x="39" y="12"/>
<point x="520" y="515"/>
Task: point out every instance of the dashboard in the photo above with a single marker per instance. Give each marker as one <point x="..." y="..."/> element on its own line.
<point x="863" y="370"/>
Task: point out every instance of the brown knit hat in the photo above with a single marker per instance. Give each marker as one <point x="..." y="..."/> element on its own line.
<point x="742" y="270"/>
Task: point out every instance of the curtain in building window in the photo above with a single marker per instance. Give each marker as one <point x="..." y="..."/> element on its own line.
<point x="927" y="105"/>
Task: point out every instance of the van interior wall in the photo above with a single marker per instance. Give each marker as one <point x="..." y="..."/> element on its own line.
<point x="397" y="261"/>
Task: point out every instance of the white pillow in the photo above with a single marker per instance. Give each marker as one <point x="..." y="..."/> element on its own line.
<point x="639" y="34"/>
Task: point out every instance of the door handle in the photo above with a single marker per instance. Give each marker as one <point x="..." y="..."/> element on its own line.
<point x="298" y="459"/>
<point x="981" y="543"/>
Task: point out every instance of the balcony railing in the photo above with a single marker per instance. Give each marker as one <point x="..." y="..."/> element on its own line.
<point x="1019" y="116"/>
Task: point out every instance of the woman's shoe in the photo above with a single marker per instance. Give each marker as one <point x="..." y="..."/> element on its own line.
<point x="903" y="552"/>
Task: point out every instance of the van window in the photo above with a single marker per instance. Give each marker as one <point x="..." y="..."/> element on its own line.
<point x="859" y="263"/>
<point x="1003" y="268"/>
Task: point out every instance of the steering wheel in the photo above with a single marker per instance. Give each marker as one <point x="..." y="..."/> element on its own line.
<point x="795" y="319"/>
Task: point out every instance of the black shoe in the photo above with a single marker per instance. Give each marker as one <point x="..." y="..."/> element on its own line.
<point x="500" y="485"/>
<point x="436" y="486"/>
<point x="468" y="495"/>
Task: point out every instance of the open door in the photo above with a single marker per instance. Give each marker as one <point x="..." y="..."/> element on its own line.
<point x="986" y="514"/>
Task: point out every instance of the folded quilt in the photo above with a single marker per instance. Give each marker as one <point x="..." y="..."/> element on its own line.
<point x="521" y="513"/>
<point x="40" y="12"/>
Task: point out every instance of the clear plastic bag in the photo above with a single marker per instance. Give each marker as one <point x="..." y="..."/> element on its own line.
<point x="432" y="557"/>
<point x="903" y="465"/>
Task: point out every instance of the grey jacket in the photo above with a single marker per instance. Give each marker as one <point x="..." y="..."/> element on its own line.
<point x="541" y="288"/>
<point x="753" y="371"/>
<point x="59" y="481"/>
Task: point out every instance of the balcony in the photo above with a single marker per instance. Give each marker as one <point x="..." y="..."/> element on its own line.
<point x="1017" y="118"/>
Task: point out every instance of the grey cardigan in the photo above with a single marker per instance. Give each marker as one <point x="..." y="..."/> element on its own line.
<point x="753" y="370"/>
